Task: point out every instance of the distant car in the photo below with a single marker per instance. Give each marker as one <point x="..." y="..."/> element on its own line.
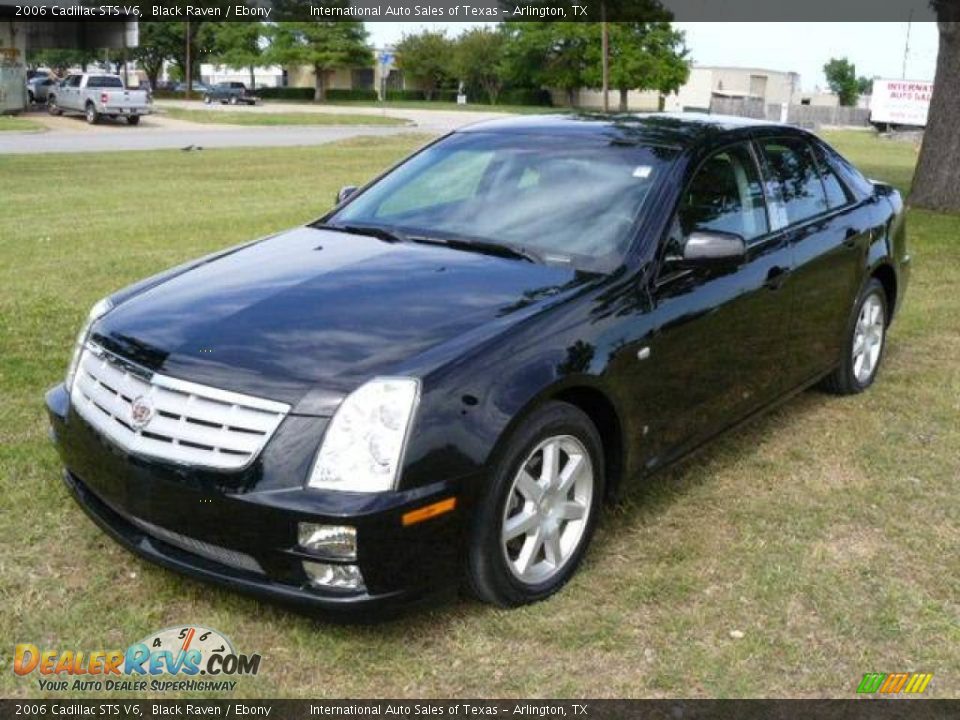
<point x="38" y="87"/>
<point x="450" y="370"/>
<point x="197" y="88"/>
<point x="230" y="92"/>
<point x="97" y="95"/>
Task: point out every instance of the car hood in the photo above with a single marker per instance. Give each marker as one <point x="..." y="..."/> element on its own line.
<point x="313" y="308"/>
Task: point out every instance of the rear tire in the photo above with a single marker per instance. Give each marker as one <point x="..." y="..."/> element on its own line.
<point x="133" y="120"/>
<point x="534" y="523"/>
<point x="864" y="344"/>
<point x="233" y="100"/>
<point x="93" y="117"/>
<point x="206" y="100"/>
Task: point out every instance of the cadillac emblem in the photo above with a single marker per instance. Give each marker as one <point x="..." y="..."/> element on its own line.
<point x="141" y="412"/>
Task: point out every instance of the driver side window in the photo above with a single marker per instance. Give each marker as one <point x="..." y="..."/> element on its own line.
<point x="725" y="195"/>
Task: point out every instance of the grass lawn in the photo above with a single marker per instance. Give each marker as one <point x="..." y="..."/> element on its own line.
<point x="827" y="533"/>
<point x="239" y="117"/>
<point x="474" y="107"/>
<point x="10" y="123"/>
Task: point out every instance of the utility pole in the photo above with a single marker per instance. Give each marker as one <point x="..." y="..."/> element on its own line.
<point x="188" y="71"/>
<point x="906" y="46"/>
<point x="605" y="51"/>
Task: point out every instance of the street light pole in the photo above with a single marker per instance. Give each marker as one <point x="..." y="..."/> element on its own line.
<point x="189" y="69"/>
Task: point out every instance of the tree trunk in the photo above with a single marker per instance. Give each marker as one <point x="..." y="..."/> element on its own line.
<point x="571" y="97"/>
<point x="253" y="78"/>
<point x="623" y="100"/>
<point x="935" y="185"/>
<point x="320" y="86"/>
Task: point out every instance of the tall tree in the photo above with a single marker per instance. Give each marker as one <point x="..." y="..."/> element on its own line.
<point x="478" y="58"/>
<point x="428" y="58"/>
<point x="239" y="45"/>
<point x="643" y="56"/>
<point x="550" y="54"/>
<point x="935" y="185"/>
<point x="842" y="78"/>
<point x="324" y="46"/>
<point x="159" y="42"/>
<point x="60" y="61"/>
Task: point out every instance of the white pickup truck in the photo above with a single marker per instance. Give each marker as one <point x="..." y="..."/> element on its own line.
<point x="98" y="95"/>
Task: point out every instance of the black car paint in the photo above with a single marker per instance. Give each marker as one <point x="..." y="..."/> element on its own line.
<point x="308" y="315"/>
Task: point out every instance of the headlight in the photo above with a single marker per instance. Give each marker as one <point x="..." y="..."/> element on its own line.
<point x="364" y="444"/>
<point x="100" y="309"/>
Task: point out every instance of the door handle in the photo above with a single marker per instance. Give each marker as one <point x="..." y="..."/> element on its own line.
<point x="776" y="276"/>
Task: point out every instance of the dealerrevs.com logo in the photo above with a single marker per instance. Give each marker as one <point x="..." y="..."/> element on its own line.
<point x="177" y="659"/>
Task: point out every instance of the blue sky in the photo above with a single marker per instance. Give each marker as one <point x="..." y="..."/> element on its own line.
<point x="875" y="48"/>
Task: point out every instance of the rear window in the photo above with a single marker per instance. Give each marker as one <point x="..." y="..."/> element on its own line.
<point x="104" y="81"/>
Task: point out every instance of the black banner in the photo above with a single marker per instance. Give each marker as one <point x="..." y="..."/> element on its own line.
<point x="472" y="10"/>
<point x="879" y="709"/>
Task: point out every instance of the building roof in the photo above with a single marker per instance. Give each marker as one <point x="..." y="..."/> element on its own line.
<point x="674" y="129"/>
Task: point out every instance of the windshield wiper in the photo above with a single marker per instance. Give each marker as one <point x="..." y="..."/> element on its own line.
<point x="372" y="230"/>
<point x="483" y="246"/>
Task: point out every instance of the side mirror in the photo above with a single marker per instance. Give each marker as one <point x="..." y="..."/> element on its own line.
<point x="345" y="192"/>
<point x="713" y="249"/>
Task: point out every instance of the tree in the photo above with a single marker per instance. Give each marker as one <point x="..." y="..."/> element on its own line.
<point x="324" y="46"/>
<point x="935" y="185"/>
<point x="238" y="45"/>
<point x="842" y="78"/>
<point x="60" y="61"/>
<point x="643" y="56"/>
<point x="427" y="58"/>
<point x="159" y="42"/>
<point x="549" y="54"/>
<point x="478" y="58"/>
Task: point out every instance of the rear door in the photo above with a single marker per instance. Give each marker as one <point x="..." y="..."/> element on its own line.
<point x="720" y="335"/>
<point x="828" y="241"/>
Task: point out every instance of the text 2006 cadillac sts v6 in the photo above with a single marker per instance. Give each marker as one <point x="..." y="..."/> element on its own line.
<point x="449" y="372"/>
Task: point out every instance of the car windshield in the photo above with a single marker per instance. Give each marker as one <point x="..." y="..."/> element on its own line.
<point x="564" y="199"/>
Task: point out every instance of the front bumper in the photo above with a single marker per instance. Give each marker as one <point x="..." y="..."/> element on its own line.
<point x="246" y="539"/>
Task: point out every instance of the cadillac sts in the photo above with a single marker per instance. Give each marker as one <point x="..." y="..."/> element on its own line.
<point x="446" y="376"/>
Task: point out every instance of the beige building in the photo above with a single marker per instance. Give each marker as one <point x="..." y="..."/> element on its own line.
<point x="773" y="87"/>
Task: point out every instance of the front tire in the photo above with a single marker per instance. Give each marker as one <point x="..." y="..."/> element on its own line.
<point x="535" y="522"/>
<point x="864" y="345"/>
<point x="233" y="100"/>
<point x="52" y="106"/>
<point x="206" y="100"/>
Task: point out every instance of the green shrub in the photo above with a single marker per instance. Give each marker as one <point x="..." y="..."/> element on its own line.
<point x="285" y="93"/>
<point x="406" y="95"/>
<point x="365" y="95"/>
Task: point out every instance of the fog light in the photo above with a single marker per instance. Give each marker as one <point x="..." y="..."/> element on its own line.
<point x="341" y="577"/>
<point x="338" y="542"/>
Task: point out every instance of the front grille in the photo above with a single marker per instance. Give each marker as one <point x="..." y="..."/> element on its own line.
<point x="206" y="550"/>
<point x="186" y="423"/>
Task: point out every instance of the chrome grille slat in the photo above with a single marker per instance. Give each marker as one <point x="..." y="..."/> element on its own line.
<point x="191" y="424"/>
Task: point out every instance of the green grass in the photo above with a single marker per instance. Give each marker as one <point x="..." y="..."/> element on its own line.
<point x="239" y="117"/>
<point x="469" y="107"/>
<point x="827" y="532"/>
<point x="11" y="123"/>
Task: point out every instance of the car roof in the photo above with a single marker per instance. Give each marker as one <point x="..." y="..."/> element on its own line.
<point x="681" y="129"/>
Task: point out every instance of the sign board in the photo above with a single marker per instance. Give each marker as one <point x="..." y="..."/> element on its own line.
<point x="386" y="58"/>
<point x="902" y="102"/>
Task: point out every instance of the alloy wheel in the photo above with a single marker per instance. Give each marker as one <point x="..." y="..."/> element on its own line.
<point x="547" y="509"/>
<point x="868" y="338"/>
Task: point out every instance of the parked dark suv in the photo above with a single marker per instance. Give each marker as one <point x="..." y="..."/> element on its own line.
<point x="449" y="372"/>
<point x="230" y="92"/>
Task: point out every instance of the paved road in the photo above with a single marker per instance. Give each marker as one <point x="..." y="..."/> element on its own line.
<point x="72" y="134"/>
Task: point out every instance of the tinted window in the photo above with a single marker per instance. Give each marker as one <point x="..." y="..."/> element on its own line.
<point x="73" y="81"/>
<point x="798" y="183"/>
<point x="854" y="178"/>
<point x="570" y="198"/>
<point x="726" y="195"/>
<point x="104" y="81"/>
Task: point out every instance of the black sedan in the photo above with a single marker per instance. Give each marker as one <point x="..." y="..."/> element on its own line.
<point x="448" y="374"/>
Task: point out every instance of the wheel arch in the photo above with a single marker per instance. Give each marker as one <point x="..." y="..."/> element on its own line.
<point x="887" y="276"/>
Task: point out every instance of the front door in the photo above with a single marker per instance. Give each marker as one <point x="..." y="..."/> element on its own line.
<point x="720" y="337"/>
